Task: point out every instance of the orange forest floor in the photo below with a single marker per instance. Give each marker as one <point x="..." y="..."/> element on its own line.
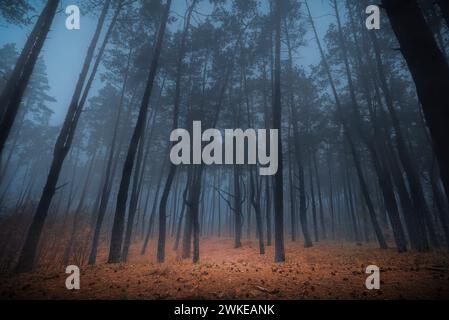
<point x="326" y="271"/>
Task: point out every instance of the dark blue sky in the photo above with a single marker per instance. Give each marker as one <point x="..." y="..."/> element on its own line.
<point x="64" y="50"/>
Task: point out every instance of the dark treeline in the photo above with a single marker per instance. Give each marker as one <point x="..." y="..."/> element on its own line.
<point x="362" y="149"/>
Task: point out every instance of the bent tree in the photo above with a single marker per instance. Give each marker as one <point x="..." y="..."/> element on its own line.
<point x="61" y="149"/>
<point x="14" y="89"/>
<point x="115" y="251"/>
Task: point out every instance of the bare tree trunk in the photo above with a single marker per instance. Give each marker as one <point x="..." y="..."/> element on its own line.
<point x="292" y="194"/>
<point x="62" y="146"/>
<point x="12" y="93"/>
<point x="76" y="215"/>
<point x="174" y="217"/>
<point x="279" y="255"/>
<point x="268" y="209"/>
<point x="312" y="199"/>
<point x="350" y="202"/>
<point x="301" y="181"/>
<point x="107" y="183"/>
<point x="153" y="211"/>
<point x="379" y="165"/>
<point x="237" y="208"/>
<point x="187" y="235"/>
<point x="356" y="158"/>
<point x="194" y="203"/>
<point x="429" y="69"/>
<point x="219" y="213"/>
<point x="320" y="200"/>
<point x="416" y="190"/>
<point x="181" y="216"/>
<point x="255" y="200"/>
<point x="139" y="175"/>
<point x="382" y="136"/>
<point x="134" y="198"/>
<point x="172" y="170"/>
<point x="331" y="193"/>
<point x="119" y="218"/>
<point x="440" y="203"/>
<point x="268" y="121"/>
<point x="192" y="227"/>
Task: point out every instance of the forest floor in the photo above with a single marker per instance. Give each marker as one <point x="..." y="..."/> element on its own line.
<point x="325" y="271"/>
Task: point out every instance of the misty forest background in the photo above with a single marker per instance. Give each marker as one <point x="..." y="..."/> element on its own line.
<point x="364" y="156"/>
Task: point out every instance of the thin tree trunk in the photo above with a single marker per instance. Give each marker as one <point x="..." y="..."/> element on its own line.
<point x="237" y="208"/>
<point x="356" y="158"/>
<point x="153" y="210"/>
<point x="331" y="194"/>
<point x="107" y="183"/>
<point x="320" y="200"/>
<point x="14" y="89"/>
<point x="134" y="198"/>
<point x="268" y="210"/>
<point x="440" y="203"/>
<point x="187" y="235"/>
<point x="181" y="216"/>
<point x="383" y="138"/>
<point x="76" y="216"/>
<point x="350" y="202"/>
<point x="119" y="217"/>
<point x="301" y="181"/>
<point x="416" y="190"/>
<point x="312" y="199"/>
<point x="255" y="200"/>
<point x="380" y="167"/>
<point x="278" y="181"/>
<point x="292" y="195"/>
<point x="172" y="170"/>
<point x="62" y="146"/>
